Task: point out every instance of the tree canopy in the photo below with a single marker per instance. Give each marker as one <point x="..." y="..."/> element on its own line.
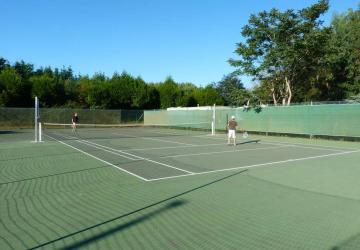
<point x="20" y="82"/>
<point x="293" y="56"/>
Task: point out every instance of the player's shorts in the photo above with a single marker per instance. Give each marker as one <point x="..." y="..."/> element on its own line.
<point x="232" y="134"/>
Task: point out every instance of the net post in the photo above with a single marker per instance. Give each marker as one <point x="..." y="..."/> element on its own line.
<point x="40" y="132"/>
<point x="36" y="118"/>
<point x="213" y="121"/>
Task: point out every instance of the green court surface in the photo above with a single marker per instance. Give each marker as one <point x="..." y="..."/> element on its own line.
<point x="149" y="189"/>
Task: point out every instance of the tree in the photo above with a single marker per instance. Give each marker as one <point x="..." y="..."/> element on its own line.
<point x="10" y="87"/>
<point x="168" y="91"/>
<point x="96" y="91"/>
<point x="185" y="97"/>
<point x="344" y="56"/>
<point x="261" y="94"/>
<point x="3" y="64"/>
<point x="121" y="91"/>
<point x="232" y="91"/>
<point x="153" y="98"/>
<point x="140" y="95"/>
<point x="25" y="70"/>
<point x="283" y="47"/>
<point x="208" y="95"/>
<point x="48" y="90"/>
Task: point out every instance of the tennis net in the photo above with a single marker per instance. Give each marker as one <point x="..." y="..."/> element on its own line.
<point x="63" y="131"/>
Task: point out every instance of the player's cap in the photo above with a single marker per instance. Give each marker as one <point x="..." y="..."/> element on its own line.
<point x="232" y="117"/>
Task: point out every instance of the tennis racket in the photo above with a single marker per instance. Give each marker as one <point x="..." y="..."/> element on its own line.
<point x="245" y="135"/>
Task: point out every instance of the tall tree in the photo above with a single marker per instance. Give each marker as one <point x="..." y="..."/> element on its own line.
<point x="344" y="56"/>
<point x="233" y="91"/>
<point x="282" y="47"/>
<point x="153" y="98"/>
<point x="185" y="97"/>
<point x="97" y="93"/>
<point x="169" y="92"/>
<point x="140" y="95"/>
<point x="25" y="70"/>
<point x="3" y="64"/>
<point x="10" y="87"/>
<point x="48" y="90"/>
<point x="208" y="95"/>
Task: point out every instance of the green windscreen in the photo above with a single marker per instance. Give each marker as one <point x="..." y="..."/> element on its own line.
<point x="91" y="116"/>
<point x="11" y="118"/>
<point x="332" y="120"/>
<point x="177" y="116"/>
<point x="329" y="119"/>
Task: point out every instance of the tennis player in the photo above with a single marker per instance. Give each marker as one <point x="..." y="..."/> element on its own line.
<point x="232" y="130"/>
<point x="74" y="120"/>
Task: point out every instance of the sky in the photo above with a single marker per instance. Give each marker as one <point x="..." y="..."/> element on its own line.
<point x="189" y="40"/>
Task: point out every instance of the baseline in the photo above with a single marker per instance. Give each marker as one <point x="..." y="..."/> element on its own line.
<point x="257" y="165"/>
<point x="343" y="149"/>
<point x="220" y="152"/>
<point x="160" y="148"/>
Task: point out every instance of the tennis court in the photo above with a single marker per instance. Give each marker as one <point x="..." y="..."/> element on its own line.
<point x="161" y="188"/>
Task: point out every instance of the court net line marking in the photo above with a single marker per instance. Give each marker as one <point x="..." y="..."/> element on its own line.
<point x="169" y="133"/>
<point x="89" y="143"/>
<point x="323" y="146"/>
<point x="176" y="142"/>
<point x="182" y="135"/>
<point x="227" y="151"/>
<point x="293" y="144"/>
<point x="257" y="165"/>
<point x="144" y="149"/>
<point x="300" y="146"/>
<point x="97" y="158"/>
<point x="155" y="139"/>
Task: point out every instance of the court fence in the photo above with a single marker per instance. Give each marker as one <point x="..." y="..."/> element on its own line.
<point x="24" y="117"/>
<point x="331" y="120"/>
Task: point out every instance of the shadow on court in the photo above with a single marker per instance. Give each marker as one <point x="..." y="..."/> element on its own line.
<point x="5" y="132"/>
<point x="351" y="243"/>
<point x="9" y="132"/>
<point x="248" y="142"/>
<point x="122" y="227"/>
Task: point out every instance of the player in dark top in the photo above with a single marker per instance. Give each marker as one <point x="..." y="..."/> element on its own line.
<point x="74" y="121"/>
<point x="232" y="130"/>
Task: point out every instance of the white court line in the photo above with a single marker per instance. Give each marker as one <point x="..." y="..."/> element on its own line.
<point x="144" y="149"/>
<point x="155" y="139"/>
<point x="139" y="157"/>
<point x="287" y="143"/>
<point x="256" y="165"/>
<point x="299" y="146"/>
<point x="112" y="152"/>
<point x="176" y="142"/>
<point x="168" y="133"/>
<point x="93" y="156"/>
<point x="220" y="152"/>
<point x="302" y="145"/>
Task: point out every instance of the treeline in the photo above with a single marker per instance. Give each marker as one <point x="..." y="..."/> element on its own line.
<point x="20" y="82"/>
<point x="290" y="54"/>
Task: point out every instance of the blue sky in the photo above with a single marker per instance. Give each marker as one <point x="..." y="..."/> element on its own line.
<point x="190" y="40"/>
